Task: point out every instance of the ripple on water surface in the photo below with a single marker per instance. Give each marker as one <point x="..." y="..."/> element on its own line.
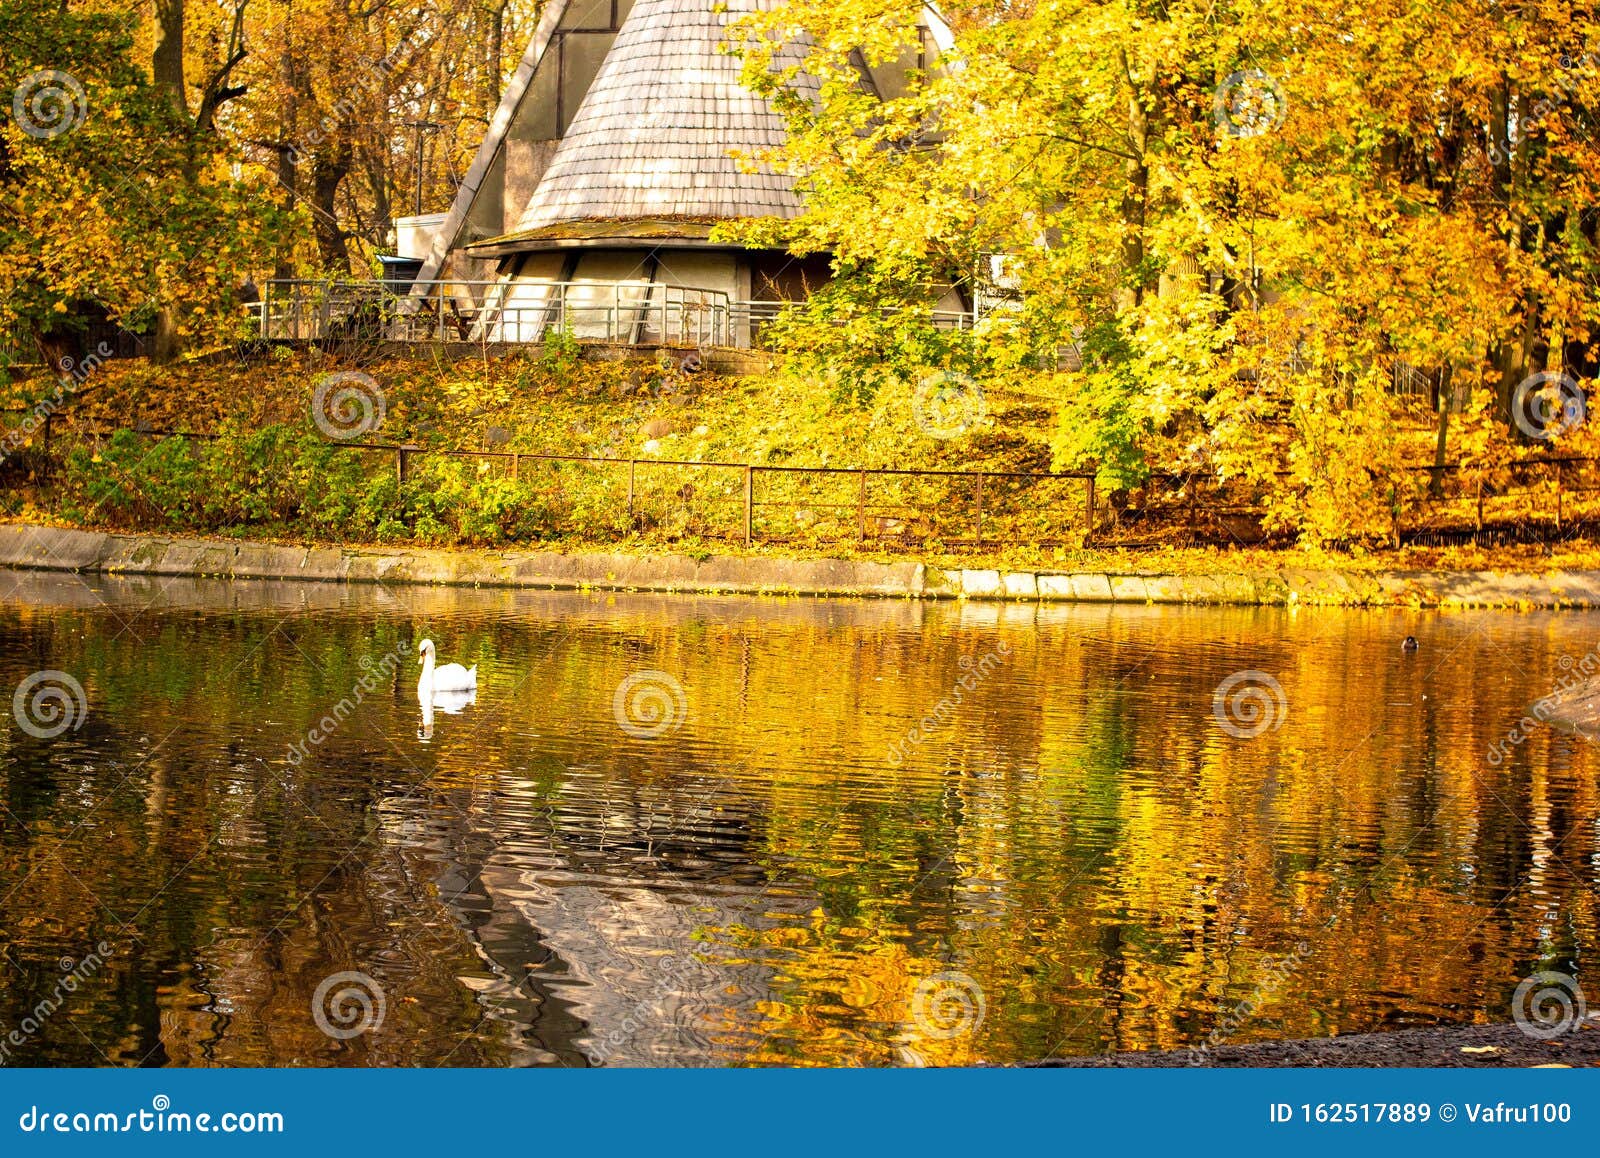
<point x="683" y="831"/>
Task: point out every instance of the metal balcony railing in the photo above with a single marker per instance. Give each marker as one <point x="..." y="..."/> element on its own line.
<point x="519" y="311"/>
<point x="632" y="312"/>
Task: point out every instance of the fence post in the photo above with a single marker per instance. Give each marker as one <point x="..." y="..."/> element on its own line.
<point x="631" y="464"/>
<point x="1088" y="503"/>
<point x="749" y="504"/>
<point x="1557" y="464"/>
<point x="861" y="507"/>
<point x="402" y="455"/>
<point x="978" y="541"/>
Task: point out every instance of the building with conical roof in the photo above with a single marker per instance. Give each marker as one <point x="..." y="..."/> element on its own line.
<point x="622" y="141"/>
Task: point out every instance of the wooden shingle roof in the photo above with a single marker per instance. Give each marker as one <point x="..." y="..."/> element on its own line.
<point x="655" y="134"/>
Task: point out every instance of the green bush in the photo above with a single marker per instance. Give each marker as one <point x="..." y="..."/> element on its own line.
<point x="461" y="501"/>
<point x="135" y="481"/>
<point x="287" y="477"/>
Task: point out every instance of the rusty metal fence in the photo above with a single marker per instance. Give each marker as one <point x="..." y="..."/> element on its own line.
<point x="1537" y="499"/>
<point x="740" y="501"/>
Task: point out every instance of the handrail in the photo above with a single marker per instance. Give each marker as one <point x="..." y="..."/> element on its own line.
<point x="500" y="311"/>
<point x="976" y="512"/>
<point x="1172" y="475"/>
<point x="514" y="311"/>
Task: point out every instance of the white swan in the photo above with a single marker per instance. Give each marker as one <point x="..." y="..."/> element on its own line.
<point x="447" y="677"/>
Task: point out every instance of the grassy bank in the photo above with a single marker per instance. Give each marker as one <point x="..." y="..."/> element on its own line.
<point x="274" y="475"/>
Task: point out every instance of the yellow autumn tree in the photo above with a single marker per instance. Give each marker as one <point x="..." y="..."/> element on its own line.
<point x="1242" y="224"/>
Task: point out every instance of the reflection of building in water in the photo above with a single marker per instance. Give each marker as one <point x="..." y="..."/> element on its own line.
<point x="587" y="916"/>
<point x="648" y="991"/>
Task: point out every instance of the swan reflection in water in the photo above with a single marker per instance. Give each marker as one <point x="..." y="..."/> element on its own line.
<point x="451" y="703"/>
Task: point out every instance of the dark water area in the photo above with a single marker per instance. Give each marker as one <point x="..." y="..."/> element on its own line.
<point x="680" y="831"/>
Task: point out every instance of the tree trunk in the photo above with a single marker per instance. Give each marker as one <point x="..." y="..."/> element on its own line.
<point x="327" y="172"/>
<point x="288" y="177"/>
<point x="166" y="66"/>
<point x="1446" y="399"/>
<point x="496" y="70"/>
<point x="1135" y="193"/>
<point x="166" y="62"/>
<point x="165" y="344"/>
<point x="1511" y="363"/>
<point x="1509" y="355"/>
<point x="383" y="214"/>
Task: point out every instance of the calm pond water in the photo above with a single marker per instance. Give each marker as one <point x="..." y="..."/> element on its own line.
<point x="745" y="856"/>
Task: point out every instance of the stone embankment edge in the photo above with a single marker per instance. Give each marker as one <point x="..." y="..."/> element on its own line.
<point x="59" y="549"/>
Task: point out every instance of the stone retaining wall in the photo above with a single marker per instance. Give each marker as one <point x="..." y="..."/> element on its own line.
<point x="53" y="548"/>
<point x="1577" y="589"/>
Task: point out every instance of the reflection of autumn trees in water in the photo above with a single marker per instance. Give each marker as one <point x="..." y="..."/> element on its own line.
<point x="1082" y="839"/>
